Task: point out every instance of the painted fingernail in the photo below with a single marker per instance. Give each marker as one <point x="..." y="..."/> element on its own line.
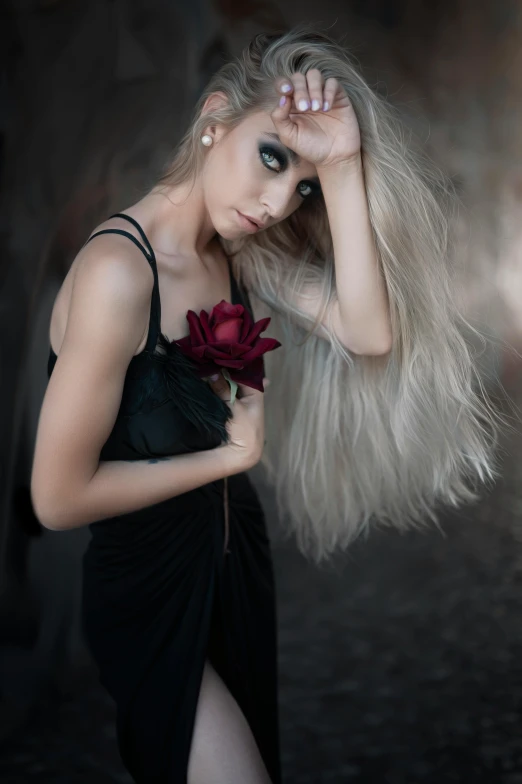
<point x="326" y="106"/>
<point x="285" y="88"/>
<point x="282" y="100"/>
<point x="303" y="105"/>
<point x="316" y="104"/>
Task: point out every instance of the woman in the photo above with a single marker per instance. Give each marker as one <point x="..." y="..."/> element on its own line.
<point x="293" y="184"/>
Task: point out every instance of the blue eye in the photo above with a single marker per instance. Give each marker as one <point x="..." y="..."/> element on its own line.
<point x="270" y="154"/>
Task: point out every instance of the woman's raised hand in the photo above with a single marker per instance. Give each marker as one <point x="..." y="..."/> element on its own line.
<point x="315" y="118"/>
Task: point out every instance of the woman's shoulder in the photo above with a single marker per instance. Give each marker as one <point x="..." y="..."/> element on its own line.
<point x="114" y="252"/>
<point x="107" y="262"/>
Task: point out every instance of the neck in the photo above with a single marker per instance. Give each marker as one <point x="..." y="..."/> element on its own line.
<point x="180" y="223"/>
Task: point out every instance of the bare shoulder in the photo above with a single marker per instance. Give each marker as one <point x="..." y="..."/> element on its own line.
<point x="117" y="252"/>
<point x="107" y="265"/>
<point x="112" y="260"/>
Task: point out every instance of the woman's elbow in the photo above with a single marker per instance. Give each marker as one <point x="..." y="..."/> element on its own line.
<point x="45" y="511"/>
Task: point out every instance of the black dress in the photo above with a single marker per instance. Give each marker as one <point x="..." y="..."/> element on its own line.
<point x="161" y="591"/>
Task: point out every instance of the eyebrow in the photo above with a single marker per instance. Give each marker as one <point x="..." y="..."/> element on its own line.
<point x="294" y="157"/>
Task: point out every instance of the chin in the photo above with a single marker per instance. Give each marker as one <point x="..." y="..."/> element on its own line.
<point x="230" y="234"/>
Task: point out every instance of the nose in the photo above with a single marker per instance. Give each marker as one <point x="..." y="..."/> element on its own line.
<point x="276" y="199"/>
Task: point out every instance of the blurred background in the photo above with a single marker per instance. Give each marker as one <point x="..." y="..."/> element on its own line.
<point x="401" y="663"/>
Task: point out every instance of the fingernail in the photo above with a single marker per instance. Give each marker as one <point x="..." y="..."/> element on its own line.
<point x="316" y="104"/>
<point x="326" y="106"/>
<point x="303" y="105"/>
<point x="285" y="88"/>
<point x="282" y="100"/>
<point x="214" y="377"/>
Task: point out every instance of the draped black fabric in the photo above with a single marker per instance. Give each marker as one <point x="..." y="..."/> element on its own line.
<point x="159" y="594"/>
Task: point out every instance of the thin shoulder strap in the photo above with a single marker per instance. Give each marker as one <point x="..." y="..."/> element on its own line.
<point x="155" y="310"/>
<point x="138" y="227"/>
<point x="124" y="234"/>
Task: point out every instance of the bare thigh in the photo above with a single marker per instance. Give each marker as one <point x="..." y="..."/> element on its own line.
<point x="223" y="749"/>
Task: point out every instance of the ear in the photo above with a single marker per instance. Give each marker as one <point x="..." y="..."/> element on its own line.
<point x="215" y="101"/>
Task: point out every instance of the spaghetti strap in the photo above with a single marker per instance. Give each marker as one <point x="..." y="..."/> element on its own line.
<point x="155" y="309"/>
<point x="138" y="227"/>
<point x="124" y="234"/>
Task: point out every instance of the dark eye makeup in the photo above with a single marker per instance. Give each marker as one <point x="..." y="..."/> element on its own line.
<point x="268" y="152"/>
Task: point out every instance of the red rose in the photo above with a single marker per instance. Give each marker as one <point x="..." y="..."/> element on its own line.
<point x="228" y="338"/>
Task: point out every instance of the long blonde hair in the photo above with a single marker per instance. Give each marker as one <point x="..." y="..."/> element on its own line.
<point x="355" y="440"/>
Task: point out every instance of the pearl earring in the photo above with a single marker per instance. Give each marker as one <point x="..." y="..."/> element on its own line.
<point x="206" y="140"/>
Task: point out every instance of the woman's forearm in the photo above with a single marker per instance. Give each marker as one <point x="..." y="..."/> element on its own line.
<point x="120" y="486"/>
<point x="361" y="291"/>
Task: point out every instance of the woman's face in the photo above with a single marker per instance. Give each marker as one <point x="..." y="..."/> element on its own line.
<point x="249" y="172"/>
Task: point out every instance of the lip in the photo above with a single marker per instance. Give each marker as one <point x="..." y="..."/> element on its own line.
<point x="248" y="223"/>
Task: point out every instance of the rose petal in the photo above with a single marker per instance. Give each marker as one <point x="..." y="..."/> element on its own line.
<point x="183" y="343"/>
<point x="233" y="363"/>
<point x="223" y="311"/>
<point x="229" y="350"/>
<point x="247" y="326"/>
<point x="261" y="346"/>
<point x="196" y="333"/>
<point x="238" y="349"/>
<point x="229" y="330"/>
<point x="198" y="353"/>
<point x="256" y="330"/>
<point x="216" y="351"/>
<point x="205" y="326"/>
<point x="252" y="375"/>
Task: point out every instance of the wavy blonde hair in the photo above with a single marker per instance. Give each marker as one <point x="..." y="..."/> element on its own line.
<point x="354" y="440"/>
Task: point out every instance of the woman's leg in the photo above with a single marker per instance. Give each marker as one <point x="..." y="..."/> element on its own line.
<point x="223" y="749"/>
